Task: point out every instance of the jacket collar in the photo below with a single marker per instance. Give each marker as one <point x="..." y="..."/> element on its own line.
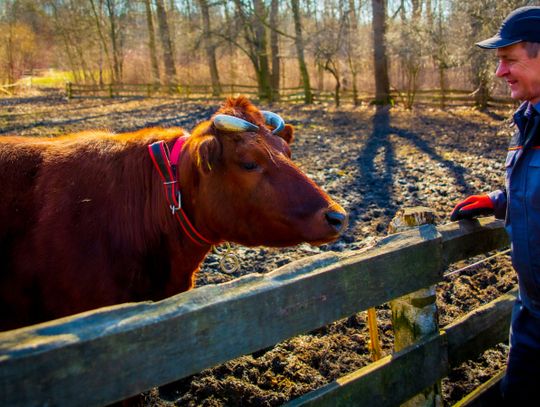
<point x="519" y="117"/>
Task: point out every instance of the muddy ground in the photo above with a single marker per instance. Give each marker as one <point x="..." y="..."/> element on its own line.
<point x="372" y="164"/>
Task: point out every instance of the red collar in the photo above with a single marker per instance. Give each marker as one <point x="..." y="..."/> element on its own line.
<point x="167" y="169"/>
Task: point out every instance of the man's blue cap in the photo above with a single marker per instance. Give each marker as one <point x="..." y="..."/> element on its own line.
<point x="522" y="24"/>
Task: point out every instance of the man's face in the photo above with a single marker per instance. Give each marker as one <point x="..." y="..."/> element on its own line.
<point x="520" y="72"/>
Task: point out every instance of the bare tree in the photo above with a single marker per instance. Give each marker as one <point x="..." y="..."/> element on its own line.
<point x="166" y="43"/>
<point x="409" y="42"/>
<point x="253" y="18"/>
<point x="274" y="48"/>
<point x="352" y="46"/>
<point x="330" y="45"/>
<point x="104" y="47"/>
<point x="73" y="27"/>
<point x="299" y="43"/>
<point x="382" y="83"/>
<point x="8" y="43"/>
<point x="114" y="34"/>
<point x="440" y="52"/>
<point x="230" y="34"/>
<point x="480" y="66"/>
<point x="152" y="42"/>
<point x="210" y="47"/>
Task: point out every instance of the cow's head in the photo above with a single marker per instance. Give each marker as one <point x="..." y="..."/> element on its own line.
<point x="245" y="187"/>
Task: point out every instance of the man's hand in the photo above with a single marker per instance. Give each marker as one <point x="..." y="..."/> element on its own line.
<point x="471" y="207"/>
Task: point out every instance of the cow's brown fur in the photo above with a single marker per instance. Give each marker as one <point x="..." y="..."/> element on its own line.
<point x="84" y="220"/>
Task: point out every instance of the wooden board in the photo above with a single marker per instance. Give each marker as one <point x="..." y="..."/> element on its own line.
<point x="481" y="329"/>
<point x="485" y="395"/>
<point x="387" y="382"/>
<point x="468" y="238"/>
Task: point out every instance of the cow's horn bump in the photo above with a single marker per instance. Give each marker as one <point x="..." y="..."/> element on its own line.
<point x="231" y="123"/>
<point x="273" y="120"/>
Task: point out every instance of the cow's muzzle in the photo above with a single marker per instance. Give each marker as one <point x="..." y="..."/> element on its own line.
<point x="337" y="220"/>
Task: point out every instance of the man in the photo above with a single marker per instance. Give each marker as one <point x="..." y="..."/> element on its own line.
<point x="517" y="45"/>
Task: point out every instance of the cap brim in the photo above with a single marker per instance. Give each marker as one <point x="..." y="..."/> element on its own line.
<point x="497" y="42"/>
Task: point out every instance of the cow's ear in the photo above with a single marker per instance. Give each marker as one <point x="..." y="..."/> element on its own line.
<point x="208" y="153"/>
<point x="287" y="133"/>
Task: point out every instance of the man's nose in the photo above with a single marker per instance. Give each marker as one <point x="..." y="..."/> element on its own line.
<point x="501" y="69"/>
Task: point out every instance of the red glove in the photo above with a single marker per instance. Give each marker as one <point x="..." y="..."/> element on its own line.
<point x="471" y="207"/>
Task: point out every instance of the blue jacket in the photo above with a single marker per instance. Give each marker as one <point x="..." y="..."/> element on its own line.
<point x="519" y="206"/>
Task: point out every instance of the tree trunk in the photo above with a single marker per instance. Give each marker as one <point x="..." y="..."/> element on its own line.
<point x="354" y="77"/>
<point x="416" y="9"/>
<point x="480" y="68"/>
<point x="113" y="33"/>
<point x="382" y="84"/>
<point x="229" y="23"/>
<point x="441" y="57"/>
<point x="320" y="77"/>
<point x="352" y="54"/>
<point x="9" y="55"/>
<point x="332" y="67"/>
<point x="166" y="44"/>
<point x="152" y="43"/>
<point x="274" y="48"/>
<point x="210" y="48"/>
<point x="104" y="46"/>
<point x="71" y="58"/>
<point x="263" y="75"/>
<point x="299" y="42"/>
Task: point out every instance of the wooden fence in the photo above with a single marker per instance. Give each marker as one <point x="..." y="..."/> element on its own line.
<point x="108" y="354"/>
<point x="295" y="94"/>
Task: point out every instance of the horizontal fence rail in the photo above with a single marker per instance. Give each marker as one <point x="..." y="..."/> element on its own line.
<point x="294" y="94"/>
<point x="106" y="355"/>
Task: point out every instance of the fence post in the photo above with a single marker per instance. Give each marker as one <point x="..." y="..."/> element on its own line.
<point x="415" y="316"/>
<point x="69" y="91"/>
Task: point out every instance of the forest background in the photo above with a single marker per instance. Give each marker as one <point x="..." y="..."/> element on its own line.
<point x="373" y="47"/>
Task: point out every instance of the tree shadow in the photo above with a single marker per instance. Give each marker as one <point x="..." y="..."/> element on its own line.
<point x="168" y="114"/>
<point x="377" y="165"/>
<point x="377" y="180"/>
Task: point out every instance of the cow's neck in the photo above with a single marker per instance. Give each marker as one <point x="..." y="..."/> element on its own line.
<point x="189" y="179"/>
<point x="167" y="166"/>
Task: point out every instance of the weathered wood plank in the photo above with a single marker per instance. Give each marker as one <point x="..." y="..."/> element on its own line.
<point x="485" y="395"/>
<point x="387" y="382"/>
<point x="481" y="329"/>
<point x="468" y="238"/>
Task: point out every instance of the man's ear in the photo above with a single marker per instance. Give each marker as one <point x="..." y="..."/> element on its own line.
<point x="287" y="133"/>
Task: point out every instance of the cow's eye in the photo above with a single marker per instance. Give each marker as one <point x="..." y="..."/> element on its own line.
<point x="249" y="166"/>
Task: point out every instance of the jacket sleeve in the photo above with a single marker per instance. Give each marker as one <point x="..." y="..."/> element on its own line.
<point x="499" y="203"/>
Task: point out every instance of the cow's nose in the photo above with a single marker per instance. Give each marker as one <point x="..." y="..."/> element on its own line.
<point x="337" y="220"/>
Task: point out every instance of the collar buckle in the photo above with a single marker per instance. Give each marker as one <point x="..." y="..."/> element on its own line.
<point x="174" y="208"/>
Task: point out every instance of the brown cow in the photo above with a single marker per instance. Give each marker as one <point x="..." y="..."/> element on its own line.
<point x="85" y="221"/>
